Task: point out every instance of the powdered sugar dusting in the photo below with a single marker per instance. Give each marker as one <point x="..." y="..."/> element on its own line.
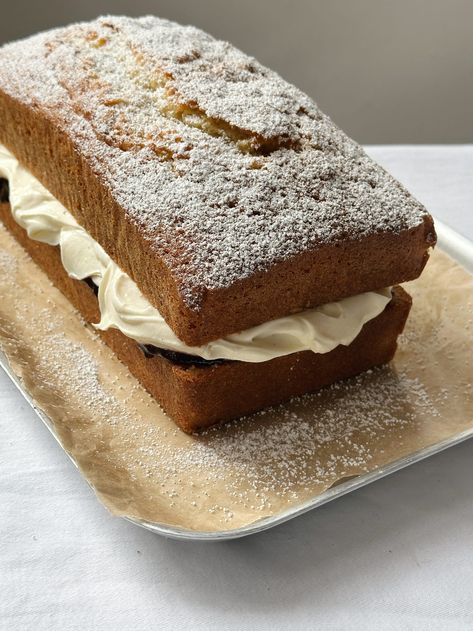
<point x="8" y="263"/>
<point x="76" y="371"/>
<point x="310" y="442"/>
<point x="224" y="166"/>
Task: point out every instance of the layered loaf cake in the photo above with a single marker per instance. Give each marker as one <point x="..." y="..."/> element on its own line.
<point x="228" y="242"/>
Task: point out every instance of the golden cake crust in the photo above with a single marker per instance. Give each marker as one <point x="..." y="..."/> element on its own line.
<point x="223" y="191"/>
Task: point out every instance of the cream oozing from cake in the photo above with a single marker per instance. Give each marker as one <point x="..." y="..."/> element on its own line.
<point x="122" y="305"/>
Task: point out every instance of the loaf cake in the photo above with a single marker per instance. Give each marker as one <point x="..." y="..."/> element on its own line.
<point x="229" y="243"/>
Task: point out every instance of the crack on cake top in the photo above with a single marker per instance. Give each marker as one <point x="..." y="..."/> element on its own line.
<point x="183" y="75"/>
<point x="225" y="166"/>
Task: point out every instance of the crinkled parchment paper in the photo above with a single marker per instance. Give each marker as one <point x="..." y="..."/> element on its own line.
<point x="142" y="466"/>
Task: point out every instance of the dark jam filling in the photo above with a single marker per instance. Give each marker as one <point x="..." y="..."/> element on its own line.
<point x="149" y="350"/>
<point x="4" y="191"/>
<point x="92" y="285"/>
<point x="178" y="358"/>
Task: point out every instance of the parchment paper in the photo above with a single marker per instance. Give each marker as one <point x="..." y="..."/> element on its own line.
<point x="142" y="466"/>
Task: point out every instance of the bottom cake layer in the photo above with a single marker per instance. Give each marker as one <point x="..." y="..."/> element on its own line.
<point x="197" y="395"/>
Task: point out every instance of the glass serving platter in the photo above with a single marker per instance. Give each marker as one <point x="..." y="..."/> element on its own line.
<point x="461" y="250"/>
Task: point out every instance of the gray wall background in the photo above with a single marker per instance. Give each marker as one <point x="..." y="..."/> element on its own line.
<point x="387" y="71"/>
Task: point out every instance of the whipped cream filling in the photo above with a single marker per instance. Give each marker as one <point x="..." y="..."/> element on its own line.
<point x="123" y="306"/>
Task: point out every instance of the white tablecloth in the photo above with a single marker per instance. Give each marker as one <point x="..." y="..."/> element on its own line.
<point x="395" y="555"/>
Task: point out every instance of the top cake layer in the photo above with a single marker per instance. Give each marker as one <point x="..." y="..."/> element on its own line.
<point x="222" y="190"/>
